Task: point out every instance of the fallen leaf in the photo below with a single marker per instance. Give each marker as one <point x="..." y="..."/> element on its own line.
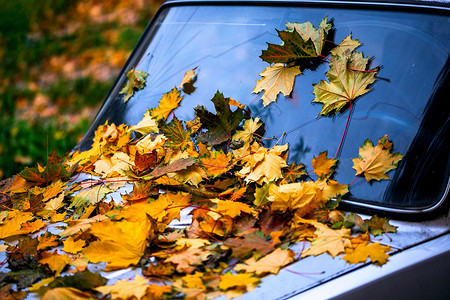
<point x="276" y="79"/>
<point x="271" y="263"/>
<point x="136" y="82"/>
<point x="376" y="252"/>
<point x="375" y="162"/>
<point x="167" y="104"/>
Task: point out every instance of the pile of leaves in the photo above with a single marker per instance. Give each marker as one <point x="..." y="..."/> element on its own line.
<point x="246" y="204"/>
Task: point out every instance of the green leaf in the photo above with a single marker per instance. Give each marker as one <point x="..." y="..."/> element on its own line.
<point x="136" y="82"/>
<point x="83" y="281"/>
<point x="292" y="48"/>
<point x="220" y="125"/>
<point x="307" y="31"/>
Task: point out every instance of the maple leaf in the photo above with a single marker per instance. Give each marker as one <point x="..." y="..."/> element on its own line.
<point x="178" y="137"/>
<point x="331" y="189"/>
<point x="47" y="240"/>
<point x="146" y="161"/>
<point x="375" y="162"/>
<point x="378" y="226"/>
<point x="120" y="243"/>
<point x="166" y="105"/>
<point x="193" y="125"/>
<point x="81" y="225"/>
<point x="221" y="124"/>
<point x="250" y="127"/>
<point x="264" y="165"/>
<point x="300" y="197"/>
<point x="255" y="244"/>
<point x="323" y="166"/>
<point x="328" y="240"/>
<point x="191" y="243"/>
<point x="232" y="208"/>
<point x="86" y="197"/>
<point x="271" y="263"/>
<point x="293" y="172"/>
<point x="293" y="47"/>
<point x="176" y="166"/>
<point x="13" y="223"/>
<point x="216" y="163"/>
<point x="56" y="262"/>
<point x="348" y="77"/>
<point x="136" y="82"/>
<point x="146" y="125"/>
<point x="276" y="79"/>
<point x="48" y="174"/>
<point x="229" y="280"/>
<point x="376" y="252"/>
<point x="67" y="293"/>
<point x="185" y="260"/>
<point x="82" y="280"/>
<point x="307" y="31"/>
<point x="73" y="246"/>
<point x="124" y="289"/>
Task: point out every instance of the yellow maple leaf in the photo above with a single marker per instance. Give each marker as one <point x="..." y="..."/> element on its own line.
<point x="124" y="289"/>
<point x="167" y="104"/>
<point x="232" y="208"/>
<point x="323" y="166"/>
<point x="331" y="189"/>
<point x="13" y="223"/>
<point x="229" y="280"/>
<point x="250" y="127"/>
<point x="72" y="246"/>
<point x="120" y="244"/>
<point x="81" y="225"/>
<point x="301" y="197"/>
<point x="276" y="79"/>
<point x="146" y="125"/>
<point x="271" y="263"/>
<point x="216" y="163"/>
<point x="264" y="165"/>
<point x="375" y="162"/>
<point x="191" y="243"/>
<point x="194" y="281"/>
<point x="376" y="252"/>
<point x="56" y="262"/>
<point x="328" y="240"/>
<point x="66" y="293"/>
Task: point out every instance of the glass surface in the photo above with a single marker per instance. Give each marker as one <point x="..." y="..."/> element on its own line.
<point x="406" y="102"/>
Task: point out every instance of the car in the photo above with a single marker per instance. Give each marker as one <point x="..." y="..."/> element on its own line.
<point x="395" y="58"/>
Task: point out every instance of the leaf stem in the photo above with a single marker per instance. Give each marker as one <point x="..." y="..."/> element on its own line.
<point x="345" y="130"/>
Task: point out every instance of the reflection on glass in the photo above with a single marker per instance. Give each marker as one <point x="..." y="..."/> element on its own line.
<point x="224" y="43"/>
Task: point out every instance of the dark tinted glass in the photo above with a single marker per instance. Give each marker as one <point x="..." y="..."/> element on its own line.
<point x="406" y="102"/>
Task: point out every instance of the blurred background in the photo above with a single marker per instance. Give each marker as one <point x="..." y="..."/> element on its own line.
<point x="58" y="60"/>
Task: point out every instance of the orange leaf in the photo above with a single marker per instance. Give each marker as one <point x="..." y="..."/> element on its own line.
<point x="232" y="208"/>
<point x="376" y="252"/>
<point x="55" y="261"/>
<point x="271" y="263"/>
<point x="323" y="166"/>
<point x="168" y="102"/>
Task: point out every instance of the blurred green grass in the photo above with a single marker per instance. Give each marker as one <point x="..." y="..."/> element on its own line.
<point x="59" y="58"/>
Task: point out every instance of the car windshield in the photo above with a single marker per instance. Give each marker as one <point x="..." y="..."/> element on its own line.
<point x="406" y="102"/>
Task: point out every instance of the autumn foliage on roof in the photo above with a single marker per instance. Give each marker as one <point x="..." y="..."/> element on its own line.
<point x="247" y="205"/>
